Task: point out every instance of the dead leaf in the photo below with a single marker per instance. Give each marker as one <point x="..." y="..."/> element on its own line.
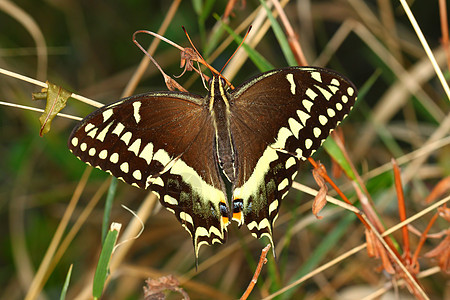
<point x="442" y="253"/>
<point x="321" y="198"/>
<point x="376" y="249"/>
<point x="444" y="212"/>
<point x="154" y="289"/>
<point x="440" y="189"/>
<point x="172" y="85"/>
<point x="56" y="98"/>
<point x="188" y="56"/>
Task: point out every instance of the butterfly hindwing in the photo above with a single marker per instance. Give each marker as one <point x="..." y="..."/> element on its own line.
<point x="280" y="118"/>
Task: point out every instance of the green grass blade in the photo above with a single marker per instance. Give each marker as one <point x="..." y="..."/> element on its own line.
<point x="213" y="40"/>
<point x="197" y="6"/>
<point x="108" y="206"/>
<point x="66" y="283"/>
<point x="281" y="37"/>
<point x="335" y="152"/>
<point x="103" y="263"/>
<point x="203" y="10"/>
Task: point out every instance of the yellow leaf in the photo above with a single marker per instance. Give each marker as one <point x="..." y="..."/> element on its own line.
<point x="56" y="98"/>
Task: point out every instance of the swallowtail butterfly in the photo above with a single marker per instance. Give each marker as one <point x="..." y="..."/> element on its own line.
<point x="231" y="155"/>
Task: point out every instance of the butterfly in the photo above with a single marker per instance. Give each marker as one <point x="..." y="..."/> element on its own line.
<point x="230" y="155"/>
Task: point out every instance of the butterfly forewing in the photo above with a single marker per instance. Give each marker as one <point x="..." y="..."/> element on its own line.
<point x="147" y="140"/>
<point x="278" y="119"/>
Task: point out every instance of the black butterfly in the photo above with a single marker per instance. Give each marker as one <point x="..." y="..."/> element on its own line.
<point x="232" y="154"/>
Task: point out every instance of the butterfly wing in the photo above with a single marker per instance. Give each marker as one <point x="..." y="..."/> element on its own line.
<point x="277" y="119"/>
<point x="146" y="141"/>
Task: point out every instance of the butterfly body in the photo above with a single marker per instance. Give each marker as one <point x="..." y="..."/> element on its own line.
<point x="220" y="113"/>
<point x="231" y="155"/>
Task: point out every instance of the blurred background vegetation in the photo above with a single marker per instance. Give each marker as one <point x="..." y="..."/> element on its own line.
<point x="90" y="52"/>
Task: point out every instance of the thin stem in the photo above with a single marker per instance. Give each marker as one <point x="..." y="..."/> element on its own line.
<point x="401" y="210"/>
<point x="39" y="110"/>
<point x="426" y="47"/>
<point x="262" y="261"/>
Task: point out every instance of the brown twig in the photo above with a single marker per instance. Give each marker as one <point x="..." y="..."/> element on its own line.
<point x="229" y="8"/>
<point x="292" y="36"/>
<point x="402" y="211"/>
<point x="366" y="201"/>
<point x="422" y="240"/>
<point x="262" y="261"/>
<point x="322" y="172"/>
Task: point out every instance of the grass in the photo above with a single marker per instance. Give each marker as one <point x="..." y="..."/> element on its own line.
<point x="55" y="208"/>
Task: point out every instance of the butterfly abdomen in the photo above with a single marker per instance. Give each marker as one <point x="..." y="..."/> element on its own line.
<point x="220" y="113"/>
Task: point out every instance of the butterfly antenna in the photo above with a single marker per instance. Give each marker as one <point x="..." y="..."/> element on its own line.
<point x="213" y="71"/>
<point x="242" y="42"/>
